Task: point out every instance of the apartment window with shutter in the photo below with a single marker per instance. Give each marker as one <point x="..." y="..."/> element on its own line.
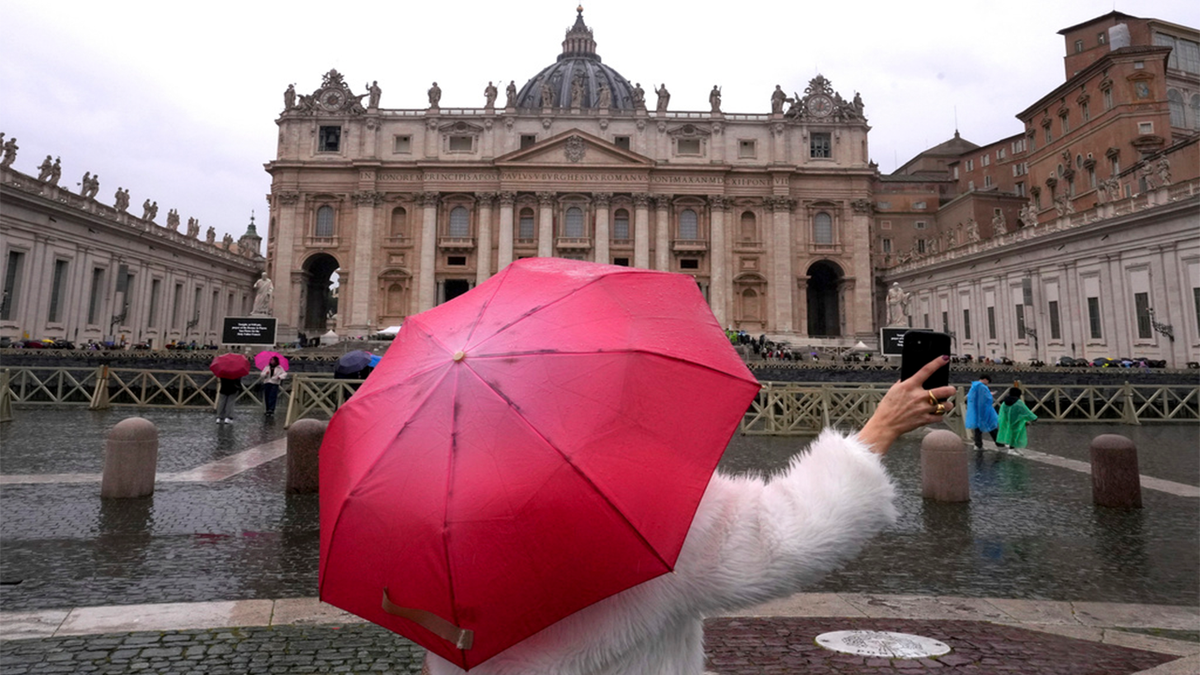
<point x="1055" y="325"/>
<point x="58" y="290"/>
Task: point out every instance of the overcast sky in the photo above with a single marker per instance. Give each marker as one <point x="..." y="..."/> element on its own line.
<point x="176" y="101"/>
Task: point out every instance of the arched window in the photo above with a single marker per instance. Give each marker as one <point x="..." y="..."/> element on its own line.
<point x="750" y="305"/>
<point x="395" y="300"/>
<point x="822" y="228"/>
<point x="1196" y="112"/>
<point x="749" y="231"/>
<point x="460" y="222"/>
<point x="325" y="221"/>
<point x="688" y="226"/>
<point x="574" y="223"/>
<point x="399" y="222"/>
<point x="1175" y="103"/>
<point x="525" y="226"/>
<point x="621" y="225"/>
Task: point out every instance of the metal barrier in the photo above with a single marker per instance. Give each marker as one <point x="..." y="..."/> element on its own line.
<point x="779" y="409"/>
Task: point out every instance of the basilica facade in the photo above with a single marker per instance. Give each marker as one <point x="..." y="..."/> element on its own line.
<point x="769" y="211"/>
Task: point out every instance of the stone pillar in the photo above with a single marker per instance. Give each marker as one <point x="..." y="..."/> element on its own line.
<point x="944" y="476"/>
<point x="545" y="224"/>
<point x="861" y="322"/>
<point x="303" y="445"/>
<point x="505" y="254"/>
<point x="641" y="230"/>
<point x="781" y="224"/>
<point x="426" y="288"/>
<point x="603" y="233"/>
<point x="718" y="263"/>
<point x="362" y="250"/>
<point x="1115" y="479"/>
<point x="483" y="253"/>
<point x="130" y="459"/>
<point x="662" y="233"/>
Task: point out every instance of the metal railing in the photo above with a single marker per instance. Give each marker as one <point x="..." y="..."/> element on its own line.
<point x="780" y="408"/>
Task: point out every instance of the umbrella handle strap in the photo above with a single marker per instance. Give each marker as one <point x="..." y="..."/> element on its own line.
<point x="461" y="638"/>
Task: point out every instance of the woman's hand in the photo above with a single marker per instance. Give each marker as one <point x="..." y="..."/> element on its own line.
<point x="906" y="406"/>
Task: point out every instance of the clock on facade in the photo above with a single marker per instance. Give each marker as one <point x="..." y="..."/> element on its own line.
<point x="819" y="105"/>
<point x="332" y="100"/>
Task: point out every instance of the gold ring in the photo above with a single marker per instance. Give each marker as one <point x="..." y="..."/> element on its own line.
<point x="940" y="409"/>
<point x="933" y="399"/>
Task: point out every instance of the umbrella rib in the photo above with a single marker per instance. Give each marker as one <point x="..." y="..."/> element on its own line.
<point x="645" y="352"/>
<point x="451" y="461"/>
<point x="517" y="410"/>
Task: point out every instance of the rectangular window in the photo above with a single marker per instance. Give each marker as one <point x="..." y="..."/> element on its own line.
<point x="1102" y="38"/>
<point x="1196" y="303"/>
<point x="402" y="145"/>
<point x="986" y="160"/>
<point x="820" y="146"/>
<point x="214" y="311"/>
<point x="1066" y="125"/>
<point x="456" y="261"/>
<point x="1055" y="325"/>
<point x="746" y="149"/>
<point x="883" y="206"/>
<point x="462" y="143"/>
<point x="623" y="262"/>
<point x="96" y="296"/>
<point x="329" y="139"/>
<point x="58" y="290"/>
<point x="999" y="154"/>
<point x="991" y="316"/>
<point x="970" y="165"/>
<point x="13" y="275"/>
<point x="1108" y="99"/>
<point x="1141" y="306"/>
<point x="689" y="264"/>
<point x="687" y="146"/>
<point x="885" y="224"/>
<point x="529" y="139"/>
<point x="919" y="225"/>
<point x="1049" y="135"/>
<point x="925" y="319"/>
<point x="1020" y="322"/>
<point x="887" y="245"/>
<point x="176" y="305"/>
<point x="987" y="181"/>
<point x="1078" y="46"/>
<point x="1145" y="128"/>
<point x="1084" y="111"/>
<point x="621" y="142"/>
<point x="945" y="322"/>
<point x="918" y="206"/>
<point x="196" y="305"/>
<point x="155" y="292"/>
<point x="1093" y="306"/>
<point x="921" y="249"/>
<point x="966" y="324"/>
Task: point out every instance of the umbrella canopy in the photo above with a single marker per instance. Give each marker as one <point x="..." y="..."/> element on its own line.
<point x="261" y="360"/>
<point x="230" y="365"/>
<point x="374" y="360"/>
<point x="525" y="450"/>
<point x="352" y="362"/>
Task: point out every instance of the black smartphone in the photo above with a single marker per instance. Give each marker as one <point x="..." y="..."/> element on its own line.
<point x="921" y="347"/>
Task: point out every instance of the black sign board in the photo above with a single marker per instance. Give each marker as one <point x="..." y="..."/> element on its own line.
<point x="892" y="339"/>
<point x="248" y="330"/>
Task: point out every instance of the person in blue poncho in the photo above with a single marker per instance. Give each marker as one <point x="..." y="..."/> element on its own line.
<point x="981" y="410"/>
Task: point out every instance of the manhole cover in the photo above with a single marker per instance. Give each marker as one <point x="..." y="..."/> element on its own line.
<point x="879" y="643"/>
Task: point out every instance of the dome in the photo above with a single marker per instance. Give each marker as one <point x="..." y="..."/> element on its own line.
<point x="578" y="60"/>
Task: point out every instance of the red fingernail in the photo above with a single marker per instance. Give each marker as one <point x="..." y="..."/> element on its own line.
<point x="945" y="357"/>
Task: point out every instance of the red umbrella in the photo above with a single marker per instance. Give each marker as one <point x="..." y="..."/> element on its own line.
<point x="530" y="448"/>
<point x="261" y="360"/>
<point x="230" y="365"/>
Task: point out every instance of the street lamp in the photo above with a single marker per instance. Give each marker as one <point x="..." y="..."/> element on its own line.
<point x="1161" y="328"/>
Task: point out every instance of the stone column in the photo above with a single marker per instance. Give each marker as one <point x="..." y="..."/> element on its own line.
<point x="861" y="322"/>
<point x="505" y="254"/>
<point x="545" y="224"/>
<point x="426" y="287"/>
<point x="802" y="304"/>
<point x="719" y="287"/>
<point x="362" y="251"/>
<point x="483" y="254"/>
<point x="781" y="264"/>
<point x="662" y="233"/>
<point x="602" y="233"/>
<point x="641" y="230"/>
<point x="287" y="295"/>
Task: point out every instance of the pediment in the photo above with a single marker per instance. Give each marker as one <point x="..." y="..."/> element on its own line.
<point x="574" y="148"/>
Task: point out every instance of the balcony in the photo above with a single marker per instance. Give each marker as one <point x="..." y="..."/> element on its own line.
<point x="688" y="245"/>
<point x="397" y="241"/>
<point x="456" y="243"/>
<point x="621" y="243"/>
<point x="573" y="243"/>
<point x="825" y="248"/>
<point x="321" y="242"/>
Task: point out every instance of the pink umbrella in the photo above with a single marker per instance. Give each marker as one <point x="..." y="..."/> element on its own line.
<point x="231" y="365"/>
<point x="261" y="360"/>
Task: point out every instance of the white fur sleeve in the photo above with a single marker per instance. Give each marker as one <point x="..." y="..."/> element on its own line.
<point x="752" y="540"/>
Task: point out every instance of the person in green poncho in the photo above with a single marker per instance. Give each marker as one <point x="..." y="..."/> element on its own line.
<point x="1014" y="415"/>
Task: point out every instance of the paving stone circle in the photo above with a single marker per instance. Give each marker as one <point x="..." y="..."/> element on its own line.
<point x="882" y="643"/>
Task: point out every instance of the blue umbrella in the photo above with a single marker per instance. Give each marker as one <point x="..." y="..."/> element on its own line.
<point x="375" y="359"/>
<point x="351" y="363"/>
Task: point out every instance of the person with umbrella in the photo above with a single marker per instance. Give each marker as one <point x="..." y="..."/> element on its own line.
<point x="229" y="368"/>
<point x="272" y="377"/>
<point x="495" y="491"/>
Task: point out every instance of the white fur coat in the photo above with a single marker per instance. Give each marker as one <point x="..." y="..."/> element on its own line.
<point x="750" y="541"/>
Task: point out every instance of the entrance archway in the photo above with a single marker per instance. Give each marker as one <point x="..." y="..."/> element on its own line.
<point x="454" y="288"/>
<point x="824" y="317"/>
<point x="320" y="300"/>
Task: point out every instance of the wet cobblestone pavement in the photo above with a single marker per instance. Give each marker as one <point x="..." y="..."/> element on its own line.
<point x="1030" y="532"/>
<point x="741" y="646"/>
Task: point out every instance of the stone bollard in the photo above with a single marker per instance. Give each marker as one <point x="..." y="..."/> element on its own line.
<point x="944" y="468"/>
<point x="1115" y="479"/>
<point x="303" y="443"/>
<point x="130" y="459"/>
